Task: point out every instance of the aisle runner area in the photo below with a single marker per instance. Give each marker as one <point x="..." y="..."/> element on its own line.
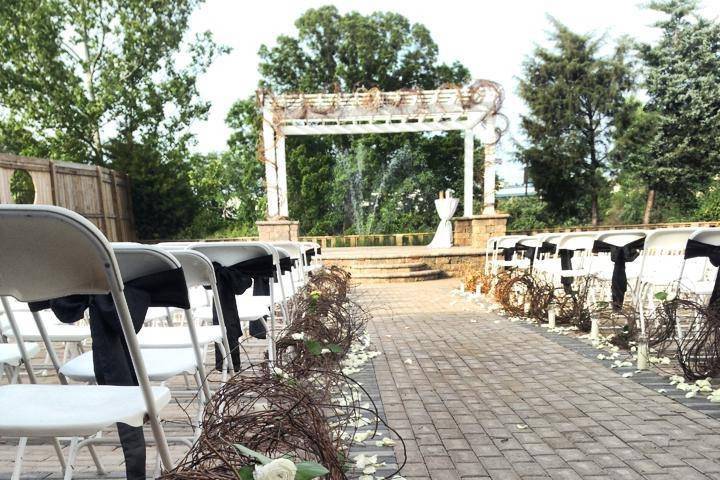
<point x="476" y="396"/>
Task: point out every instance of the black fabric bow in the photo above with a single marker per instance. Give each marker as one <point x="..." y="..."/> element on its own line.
<point x="111" y="357"/>
<point x="619" y="255"/>
<point x="233" y="280"/>
<point x="162" y="289"/>
<point x="695" y="249"/>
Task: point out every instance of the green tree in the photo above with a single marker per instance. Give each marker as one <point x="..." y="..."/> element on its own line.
<point x="229" y="184"/>
<point x="573" y="95"/>
<point x="682" y="75"/>
<point x="88" y="80"/>
<point x="333" y="52"/>
<point x="633" y="159"/>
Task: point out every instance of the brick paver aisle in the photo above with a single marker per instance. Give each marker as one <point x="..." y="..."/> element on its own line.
<point x="492" y="399"/>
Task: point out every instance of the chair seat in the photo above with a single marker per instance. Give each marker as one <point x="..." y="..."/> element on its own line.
<point x="203" y="313"/>
<point x="71" y="410"/>
<point x="10" y="353"/>
<point x="161" y="364"/>
<point x="57" y="331"/>
<point x="520" y="263"/>
<point x="252" y="308"/>
<point x="572" y="273"/>
<point x="704" y="287"/>
<point x="177" y="337"/>
<point x="156" y="313"/>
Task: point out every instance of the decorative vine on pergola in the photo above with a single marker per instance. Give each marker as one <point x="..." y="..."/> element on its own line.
<point x="472" y="109"/>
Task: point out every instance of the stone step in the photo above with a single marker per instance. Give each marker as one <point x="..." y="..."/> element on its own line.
<point x="397" y="277"/>
<point x="361" y="262"/>
<point x="381" y="268"/>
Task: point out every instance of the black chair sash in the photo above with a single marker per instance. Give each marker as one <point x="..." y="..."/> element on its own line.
<point x="309" y="254"/>
<point x="111" y="357"/>
<point x="695" y="249"/>
<point x="507" y="252"/>
<point x="619" y="255"/>
<point x="528" y="251"/>
<point x="532" y="252"/>
<point x="566" y="256"/>
<point x="548" y="247"/>
<point x="261" y="287"/>
<point x="233" y="280"/>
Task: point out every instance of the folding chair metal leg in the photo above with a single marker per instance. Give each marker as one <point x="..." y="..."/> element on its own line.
<point x="72" y="457"/>
<point x="96" y="460"/>
<point x="271" y="331"/>
<point x="59" y="453"/>
<point x="19" y="453"/>
<point x="223" y="352"/>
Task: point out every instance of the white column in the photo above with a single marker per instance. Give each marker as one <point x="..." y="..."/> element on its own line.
<point x="271" y="180"/>
<point x="489" y="139"/>
<point x="281" y="175"/>
<point x="468" y="180"/>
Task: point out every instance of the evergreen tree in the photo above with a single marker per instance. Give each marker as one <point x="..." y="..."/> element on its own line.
<point x="573" y="95"/>
<point x="683" y="84"/>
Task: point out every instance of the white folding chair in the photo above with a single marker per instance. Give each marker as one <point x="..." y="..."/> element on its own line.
<point x="296" y="251"/>
<point x="162" y="363"/>
<point x="249" y="307"/>
<point x="660" y="265"/>
<point x="580" y="243"/>
<point x="72" y="336"/>
<point x="50" y="252"/>
<point x="502" y="244"/>
<point x="603" y="267"/>
<point x="697" y="275"/>
<point x="312" y="256"/>
<point x="199" y="272"/>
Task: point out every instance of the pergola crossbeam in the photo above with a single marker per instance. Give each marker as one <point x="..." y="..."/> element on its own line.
<point x="470" y="109"/>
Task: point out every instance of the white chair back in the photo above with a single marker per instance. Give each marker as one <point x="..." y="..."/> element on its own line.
<point x="49" y="252"/>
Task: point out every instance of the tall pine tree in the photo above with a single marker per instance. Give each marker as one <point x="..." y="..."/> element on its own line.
<point x="573" y="95"/>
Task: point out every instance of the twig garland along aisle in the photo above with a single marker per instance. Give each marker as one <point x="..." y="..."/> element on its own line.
<point x="298" y="419"/>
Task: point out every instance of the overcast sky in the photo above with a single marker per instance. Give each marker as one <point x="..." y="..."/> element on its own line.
<point x="491" y="38"/>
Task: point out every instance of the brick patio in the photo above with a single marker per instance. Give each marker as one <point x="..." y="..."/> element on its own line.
<point x="493" y="399"/>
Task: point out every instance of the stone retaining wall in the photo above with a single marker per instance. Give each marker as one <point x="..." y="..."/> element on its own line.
<point x="451" y="265"/>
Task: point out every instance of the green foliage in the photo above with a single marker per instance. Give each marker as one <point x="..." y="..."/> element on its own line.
<point x="709" y="202"/>
<point x="22" y="188"/>
<point x="90" y="80"/>
<point x="683" y="84"/>
<point x="573" y="95"/>
<point x="332" y="179"/>
<point x="159" y="186"/>
<point x="526" y="213"/>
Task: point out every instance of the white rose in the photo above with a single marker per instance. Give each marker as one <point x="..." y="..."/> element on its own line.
<point x="278" y="469"/>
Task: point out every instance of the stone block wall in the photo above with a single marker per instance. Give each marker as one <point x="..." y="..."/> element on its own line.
<point x="476" y="230"/>
<point x="278" y="230"/>
<point x="452" y="265"/>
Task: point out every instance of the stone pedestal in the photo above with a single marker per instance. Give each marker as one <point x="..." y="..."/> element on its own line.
<point x="475" y="231"/>
<point x="278" y="230"/>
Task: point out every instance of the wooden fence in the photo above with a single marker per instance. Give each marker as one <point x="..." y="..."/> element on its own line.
<point x="99" y="194"/>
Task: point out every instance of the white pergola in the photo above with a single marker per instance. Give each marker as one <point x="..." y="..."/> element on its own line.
<point x="472" y="109"/>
